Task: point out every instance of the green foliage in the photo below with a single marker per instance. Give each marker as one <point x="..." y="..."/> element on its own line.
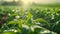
<point x="30" y="21"/>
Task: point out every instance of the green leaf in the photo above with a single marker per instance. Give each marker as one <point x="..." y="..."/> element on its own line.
<point x="29" y="21"/>
<point x="42" y="21"/>
<point x="11" y="22"/>
<point x="8" y="32"/>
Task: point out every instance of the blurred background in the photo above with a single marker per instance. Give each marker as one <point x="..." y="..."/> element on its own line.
<point x="29" y="16"/>
<point x="16" y="2"/>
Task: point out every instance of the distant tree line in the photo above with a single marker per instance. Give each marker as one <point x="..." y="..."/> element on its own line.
<point x="2" y="2"/>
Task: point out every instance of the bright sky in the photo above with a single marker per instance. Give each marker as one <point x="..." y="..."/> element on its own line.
<point x="27" y="3"/>
<point x="41" y="1"/>
<point x="38" y="1"/>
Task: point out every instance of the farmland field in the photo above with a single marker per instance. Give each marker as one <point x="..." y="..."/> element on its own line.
<point x="33" y="20"/>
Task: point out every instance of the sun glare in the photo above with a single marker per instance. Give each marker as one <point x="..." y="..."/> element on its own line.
<point x="26" y="3"/>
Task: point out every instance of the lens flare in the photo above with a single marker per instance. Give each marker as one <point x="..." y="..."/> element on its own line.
<point x="26" y="3"/>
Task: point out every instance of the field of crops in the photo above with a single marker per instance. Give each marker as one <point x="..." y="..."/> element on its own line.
<point x="34" y="20"/>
